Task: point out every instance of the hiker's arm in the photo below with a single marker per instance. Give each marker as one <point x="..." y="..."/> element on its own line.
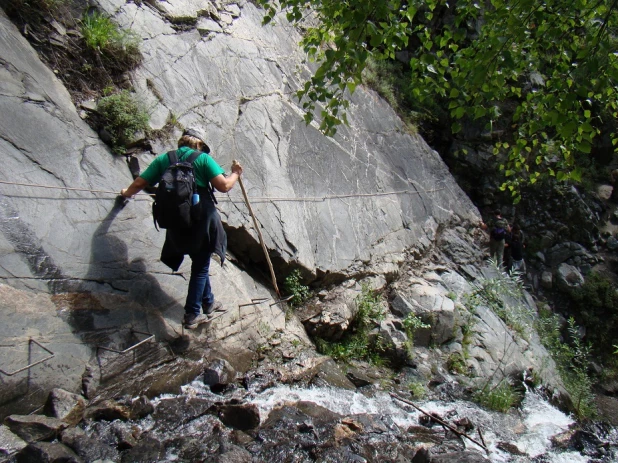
<point x="225" y="184"/>
<point x="138" y="185"/>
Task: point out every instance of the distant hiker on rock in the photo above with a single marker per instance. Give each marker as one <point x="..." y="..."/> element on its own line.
<point x="185" y="206"/>
<point x="498" y="229"/>
<point x="516" y="244"/>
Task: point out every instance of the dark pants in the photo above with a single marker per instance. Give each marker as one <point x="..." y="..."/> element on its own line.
<point x="199" y="294"/>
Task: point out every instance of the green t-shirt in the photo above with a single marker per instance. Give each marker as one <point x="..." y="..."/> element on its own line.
<point x="204" y="167"/>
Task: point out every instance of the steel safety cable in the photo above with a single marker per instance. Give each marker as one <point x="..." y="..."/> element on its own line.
<point x="230" y="198"/>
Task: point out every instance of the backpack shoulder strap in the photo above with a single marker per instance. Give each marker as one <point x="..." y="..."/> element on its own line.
<point x="173" y="157"/>
<point x="193" y="156"/>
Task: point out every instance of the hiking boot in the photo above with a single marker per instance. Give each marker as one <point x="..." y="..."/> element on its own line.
<point x="193" y="321"/>
<point x="216" y="306"/>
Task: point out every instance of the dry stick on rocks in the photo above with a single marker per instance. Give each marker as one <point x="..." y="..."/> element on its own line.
<point x="443" y="423"/>
<point x="257" y="229"/>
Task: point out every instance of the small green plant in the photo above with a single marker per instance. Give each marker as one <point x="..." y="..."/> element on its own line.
<point x="417" y="389"/>
<point x="456" y="363"/>
<point x="123" y="116"/>
<point x="572" y="358"/>
<point x="503" y="294"/>
<point x="357" y="343"/>
<point x="102" y="35"/>
<point x="412" y="323"/>
<point x="294" y="287"/>
<point x="452" y="295"/>
<point x="501" y="397"/>
<point x="595" y="304"/>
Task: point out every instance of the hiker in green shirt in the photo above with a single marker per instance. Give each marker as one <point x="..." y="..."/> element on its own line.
<point x="206" y="236"/>
<point x="498" y="228"/>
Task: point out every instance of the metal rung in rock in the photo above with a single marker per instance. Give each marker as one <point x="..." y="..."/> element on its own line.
<point x="128" y="349"/>
<point x="27" y="367"/>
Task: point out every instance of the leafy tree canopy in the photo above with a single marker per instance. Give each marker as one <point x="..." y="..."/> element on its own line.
<point x="554" y="61"/>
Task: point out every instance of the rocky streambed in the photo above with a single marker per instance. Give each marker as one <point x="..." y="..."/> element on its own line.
<point x="223" y="416"/>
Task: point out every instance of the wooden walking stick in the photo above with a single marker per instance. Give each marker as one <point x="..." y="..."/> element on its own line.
<point x="257" y="229"/>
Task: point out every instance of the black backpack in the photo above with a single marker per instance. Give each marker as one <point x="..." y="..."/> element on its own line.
<point x="173" y="206"/>
<point x="498" y="233"/>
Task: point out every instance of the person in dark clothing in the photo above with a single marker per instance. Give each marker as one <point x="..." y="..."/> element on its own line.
<point x="205" y="237"/>
<point x="516" y="244"/>
<point x="498" y="228"/>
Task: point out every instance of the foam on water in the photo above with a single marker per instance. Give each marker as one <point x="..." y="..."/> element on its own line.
<point x="530" y="430"/>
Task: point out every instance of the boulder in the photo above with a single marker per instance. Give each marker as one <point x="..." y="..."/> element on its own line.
<point x="219" y="373"/>
<point x="108" y="410"/>
<point x="34" y="428"/>
<point x="65" y="406"/>
<point x="10" y="442"/>
<point x="87" y="448"/>
<point x="240" y="416"/>
<point x="437" y="310"/>
<point x="45" y="452"/>
<point x="547" y="280"/>
<point x="568" y="277"/>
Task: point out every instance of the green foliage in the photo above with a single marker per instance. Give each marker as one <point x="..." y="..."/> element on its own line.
<point x="572" y="358"/>
<point x="357" y="343"/>
<point x="411" y="323"/>
<point x="102" y="35"/>
<point x="123" y="116"/>
<point x="596" y="306"/>
<point x="502" y="293"/>
<point x="500" y="397"/>
<point x="554" y="61"/>
<point x="456" y="363"/>
<point x="417" y="389"/>
<point x="294" y="287"/>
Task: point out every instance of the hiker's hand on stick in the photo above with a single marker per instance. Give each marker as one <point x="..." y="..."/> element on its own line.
<point x="236" y="167"/>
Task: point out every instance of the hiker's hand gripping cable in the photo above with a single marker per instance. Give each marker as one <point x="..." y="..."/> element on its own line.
<point x="138" y="185"/>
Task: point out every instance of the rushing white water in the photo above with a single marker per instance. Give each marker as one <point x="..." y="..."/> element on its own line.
<point x="530" y="429"/>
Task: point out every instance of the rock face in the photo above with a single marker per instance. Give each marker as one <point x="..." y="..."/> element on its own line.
<point x="80" y="274"/>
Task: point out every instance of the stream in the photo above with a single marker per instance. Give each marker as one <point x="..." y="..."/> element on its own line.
<point x="326" y="424"/>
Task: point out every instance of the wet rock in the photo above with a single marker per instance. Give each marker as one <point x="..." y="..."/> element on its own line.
<point x="108" y="410"/>
<point x="328" y="373"/>
<point x="358" y="378"/>
<point x="510" y="448"/>
<point x="173" y="412"/>
<point x="460" y="457"/>
<point x="126" y="437"/>
<point x="234" y="454"/>
<point x="219" y="374"/>
<point x="147" y="450"/>
<point x="426" y="435"/>
<point x="240" y="416"/>
<point x="87" y="448"/>
<point x="45" y="452"/>
<point x="140" y="408"/>
<point x="9" y="442"/>
<point x="34" y="428"/>
<point x="422" y="456"/>
<point x="65" y="406"/>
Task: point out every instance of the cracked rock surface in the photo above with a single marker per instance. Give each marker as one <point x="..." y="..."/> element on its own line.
<point x="79" y="272"/>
